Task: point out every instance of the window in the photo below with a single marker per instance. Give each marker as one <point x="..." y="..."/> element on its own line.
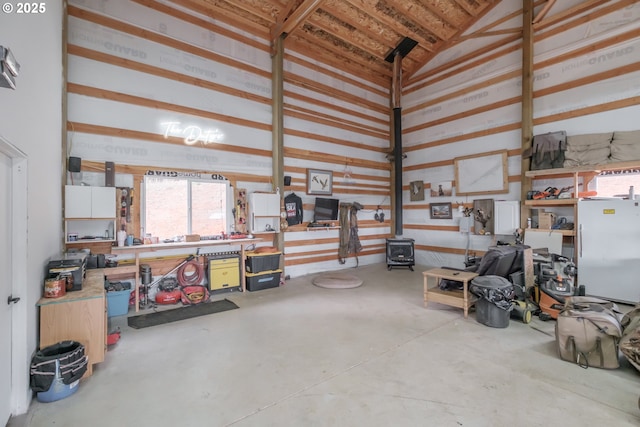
<point x="175" y="206"/>
<point x="617" y="183"/>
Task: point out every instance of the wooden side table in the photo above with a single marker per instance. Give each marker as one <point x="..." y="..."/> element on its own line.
<point x="455" y="298"/>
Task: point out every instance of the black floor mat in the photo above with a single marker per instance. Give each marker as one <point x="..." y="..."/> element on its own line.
<point x="187" y="312"/>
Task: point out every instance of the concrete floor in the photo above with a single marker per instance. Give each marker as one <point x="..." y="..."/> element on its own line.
<point x="300" y="355"/>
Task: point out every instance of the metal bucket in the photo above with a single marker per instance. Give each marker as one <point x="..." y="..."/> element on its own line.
<point x="55" y="287"/>
<point x="145" y="273"/>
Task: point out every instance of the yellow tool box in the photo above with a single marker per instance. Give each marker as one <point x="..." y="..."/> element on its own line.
<point x="224" y="274"/>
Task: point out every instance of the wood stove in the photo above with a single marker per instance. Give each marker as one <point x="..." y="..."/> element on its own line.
<point x="400" y="253"/>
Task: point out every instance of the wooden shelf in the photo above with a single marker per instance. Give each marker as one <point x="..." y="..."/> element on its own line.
<point x="551" y="202"/>
<point x="563" y="232"/>
<point x="323" y="228"/>
<point x="138" y="249"/>
<point x="583" y="170"/>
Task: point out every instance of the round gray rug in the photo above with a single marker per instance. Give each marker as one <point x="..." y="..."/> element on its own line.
<point x="337" y="281"/>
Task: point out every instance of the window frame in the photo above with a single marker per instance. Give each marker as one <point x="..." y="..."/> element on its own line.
<point x="229" y="223"/>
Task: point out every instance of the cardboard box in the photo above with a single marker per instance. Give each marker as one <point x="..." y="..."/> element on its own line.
<point x="546" y="220"/>
<point x="192" y="238"/>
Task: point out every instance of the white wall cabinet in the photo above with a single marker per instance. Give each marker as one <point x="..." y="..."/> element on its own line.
<point x="89" y="202"/>
<point x="90" y="213"/>
<point x="507" y="216"/>
<point x="264" y="212"/>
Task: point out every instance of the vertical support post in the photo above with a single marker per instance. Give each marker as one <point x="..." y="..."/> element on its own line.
<point x="527" y="104"/>
<point x="527" y="118"/>
<point x="277" y="133"/>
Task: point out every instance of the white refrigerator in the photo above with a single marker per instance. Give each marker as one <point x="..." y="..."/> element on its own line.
<point x="608" y="235"/>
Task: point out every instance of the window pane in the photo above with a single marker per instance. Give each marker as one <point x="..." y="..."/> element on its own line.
<point x="166" y="207"/>
<point x="209" y="208"/>
<point x="617" y="183"/>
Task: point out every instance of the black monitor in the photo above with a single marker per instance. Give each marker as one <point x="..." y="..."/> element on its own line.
<point x="326" y="209"/>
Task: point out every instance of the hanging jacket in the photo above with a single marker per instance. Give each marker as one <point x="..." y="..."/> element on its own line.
<point x="293" y="207"/>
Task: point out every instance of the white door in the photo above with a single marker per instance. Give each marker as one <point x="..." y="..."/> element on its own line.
<point x="5" y="288"/>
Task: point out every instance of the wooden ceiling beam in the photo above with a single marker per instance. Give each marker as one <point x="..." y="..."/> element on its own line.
<point x="485" y="8"/>
<point x="488" y="27"/>
<point x="448" y="12"/>
<point x="255" y="8"/>
<point x="225" y="16"/>
<point x="571" y="12"/>
<point x="370" y="6"/>
<point x="421" y="18"/>
<point x="319" y="53"/>
<point x="361" y="21"/>
<point x="296" y="18"/>
<point x="282" y="16"/>
<point x="357" y="39"/>
<point x="489" y="34"/>
<point x="467" y="7"/>
<point x="380" y="67"/>
<point x="543" y="12"/>
<point x="200" y="22"/>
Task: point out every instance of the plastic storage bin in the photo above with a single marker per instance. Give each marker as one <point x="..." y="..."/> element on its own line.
<point x="261" y="262"/>
<point x="56" y="370"/>
<point x="118" y="302"/>
<point x="58" y="390"/>
<point x="265" y="280"/>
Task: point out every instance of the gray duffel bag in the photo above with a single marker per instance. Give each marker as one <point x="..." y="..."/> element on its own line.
<point x="588" y="332"/>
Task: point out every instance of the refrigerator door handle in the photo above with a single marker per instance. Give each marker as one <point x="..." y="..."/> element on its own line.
<point x="580" y="240"/>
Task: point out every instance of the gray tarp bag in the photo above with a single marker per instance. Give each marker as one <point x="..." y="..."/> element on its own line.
<point x="588" y="332"/>
<point x="495" y="289"/>
<point x="548" y="150"/>
<point x="630" y="341"/>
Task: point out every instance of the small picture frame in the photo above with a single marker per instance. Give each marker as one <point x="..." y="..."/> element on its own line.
<point x="440" y="210"/>
<point x="319" y="182"/>
<point x="441" y="189"/>
<point x="416" y="190"/>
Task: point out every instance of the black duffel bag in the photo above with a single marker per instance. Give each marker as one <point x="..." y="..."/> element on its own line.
<point x="67" y="356"/>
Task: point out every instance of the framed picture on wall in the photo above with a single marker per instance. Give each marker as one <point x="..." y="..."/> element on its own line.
<point x="416" y="190"/>
<point x="440" y="210"/>
<point x="483" y="216"/>
<point x="441" y="189"/>
<point x="319" y="182"/>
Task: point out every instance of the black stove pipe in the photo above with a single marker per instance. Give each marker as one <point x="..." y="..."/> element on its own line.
<point x="395" y="57"/>
<point x="397" y="157"/>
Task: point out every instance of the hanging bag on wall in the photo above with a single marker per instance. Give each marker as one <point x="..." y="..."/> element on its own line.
<point x="547" y="150"/>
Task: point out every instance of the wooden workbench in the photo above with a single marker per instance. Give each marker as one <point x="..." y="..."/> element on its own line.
<point x="78" y="316"/>
<point x="156" y="247"/>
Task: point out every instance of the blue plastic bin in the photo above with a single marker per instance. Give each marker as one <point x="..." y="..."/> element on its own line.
<point x="118" y="302"/>
<point x="58" y="389"/>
